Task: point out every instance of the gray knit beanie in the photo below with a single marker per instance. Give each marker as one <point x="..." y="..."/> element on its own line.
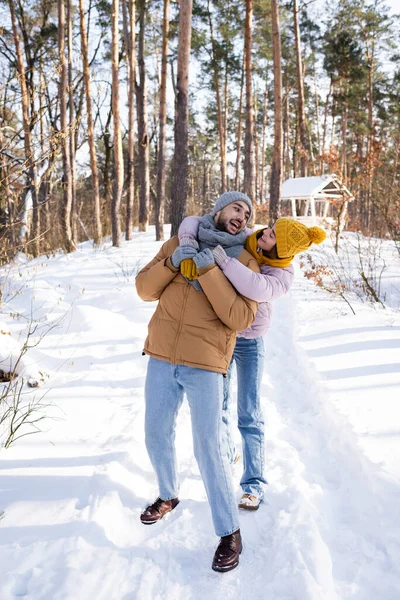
<point x="229" y="197"/>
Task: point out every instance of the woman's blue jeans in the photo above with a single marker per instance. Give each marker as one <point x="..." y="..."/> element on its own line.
<point x="248" y="357"/>
<point x="165" y="386"/>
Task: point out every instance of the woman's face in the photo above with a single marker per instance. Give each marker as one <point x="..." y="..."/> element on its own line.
<point x="268" y="239"/>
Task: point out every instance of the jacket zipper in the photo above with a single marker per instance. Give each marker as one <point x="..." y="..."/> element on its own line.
<point x="173" y="358"/>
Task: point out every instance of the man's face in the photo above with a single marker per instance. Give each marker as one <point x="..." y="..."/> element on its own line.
<point x="268" y="239"/>
<point x="233" y="217"/>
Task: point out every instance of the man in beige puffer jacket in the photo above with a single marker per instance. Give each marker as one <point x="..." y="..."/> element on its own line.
<point x="190" y="342"/>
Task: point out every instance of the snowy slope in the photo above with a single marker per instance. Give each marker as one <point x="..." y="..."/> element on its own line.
<point x="72" y="495"/>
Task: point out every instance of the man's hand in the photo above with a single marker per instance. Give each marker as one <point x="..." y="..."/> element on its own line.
<point x="204" y="259"/>
<point x="181" y="253"/>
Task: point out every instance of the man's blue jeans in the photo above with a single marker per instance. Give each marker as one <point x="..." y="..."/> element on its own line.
<point x="165" y="386"/>
<point x="249" y="359"/>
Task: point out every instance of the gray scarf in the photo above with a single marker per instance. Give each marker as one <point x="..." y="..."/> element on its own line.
<point x="209" y="236"/>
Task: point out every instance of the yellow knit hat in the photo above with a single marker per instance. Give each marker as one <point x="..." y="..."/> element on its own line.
<point x="293" y="237"/>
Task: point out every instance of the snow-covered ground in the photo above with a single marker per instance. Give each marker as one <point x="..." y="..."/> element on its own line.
<point x="72" y="495"/>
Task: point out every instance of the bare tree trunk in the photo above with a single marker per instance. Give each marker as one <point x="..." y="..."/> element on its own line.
<point x="191" y="198"/>
<point x="311" y="161"/>
<point x="249" y="166"/>
<point x="141" y="97"/>
<point x="256" y="149"/>
<point x="256" y="163"/>
<point x="206" y="196"/>
<point x="276" y="168"/>
<point x="71" y="125"/>
<point x="226" y="117"/>
<point x="239" y="127"/>
<point x="295" y="158"/>
<point x="286" y="125"/>
<point x="396" y="144"/>
<point x="107" y="162"/>
<point x="90" y="128"/>
<point x="371" y="67"/>
<point x="131" y="120"/>
<point x="48" y="179"/>
<point x="29" y="157"/>
<point x="222" y="148"/>
<point x="370" y="157"/>
<point x="130" y="38"/>
<point x="343" y="161"/>
<point x="69" y="245"/>
<point x="326" y="108"/>
<point x="118" y="158"/>
<point x="317" y="114"/>
<point x="181" y="158"/>
<point x="5" y="192"/>
<point x="41" y="110"/>
<point x="304" y="145"/>
<point x="45" y="186"/>
<point x="333" y="121"/>
<point x="160" y="201"/>
<point x="264" y="125"/>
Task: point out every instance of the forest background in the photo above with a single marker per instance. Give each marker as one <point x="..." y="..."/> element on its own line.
<point x="116" y="114"/>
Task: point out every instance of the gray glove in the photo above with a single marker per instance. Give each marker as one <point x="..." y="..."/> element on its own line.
<point x="188" y="240"/>
<point x="204" y="259"/>
<point x="181" y="253"/>
<point x="220" y="255"/>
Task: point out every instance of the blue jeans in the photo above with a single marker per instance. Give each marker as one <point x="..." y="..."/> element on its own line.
<point x="249" y="359"/>
<point x="165" y="386"/>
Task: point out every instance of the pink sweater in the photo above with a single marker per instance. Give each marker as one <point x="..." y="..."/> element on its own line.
<point x="271" y="283"/>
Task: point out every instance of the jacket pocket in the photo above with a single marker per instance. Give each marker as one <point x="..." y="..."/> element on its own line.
<point x="228" y="341"/>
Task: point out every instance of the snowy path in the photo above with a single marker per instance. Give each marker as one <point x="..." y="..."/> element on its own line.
<point x="72" y="496"/>
<point x="337" y="507"/>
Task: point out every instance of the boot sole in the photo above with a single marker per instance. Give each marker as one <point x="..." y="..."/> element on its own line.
<point x="226" y="569"/>
<point x="157" y="520"/>
<point x="247" y="507"/>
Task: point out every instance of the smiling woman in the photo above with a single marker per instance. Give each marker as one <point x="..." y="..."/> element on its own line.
<point x="267" y="239"/>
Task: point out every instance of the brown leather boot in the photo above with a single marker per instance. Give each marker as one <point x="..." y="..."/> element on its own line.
<point x="155" y="512"/>
<point x="226" y="556"/>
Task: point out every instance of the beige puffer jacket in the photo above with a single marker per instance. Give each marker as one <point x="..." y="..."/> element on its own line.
<point x="188" y="327"/>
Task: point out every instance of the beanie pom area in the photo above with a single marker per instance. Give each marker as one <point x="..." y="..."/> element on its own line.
<point x="317" y="235"/>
